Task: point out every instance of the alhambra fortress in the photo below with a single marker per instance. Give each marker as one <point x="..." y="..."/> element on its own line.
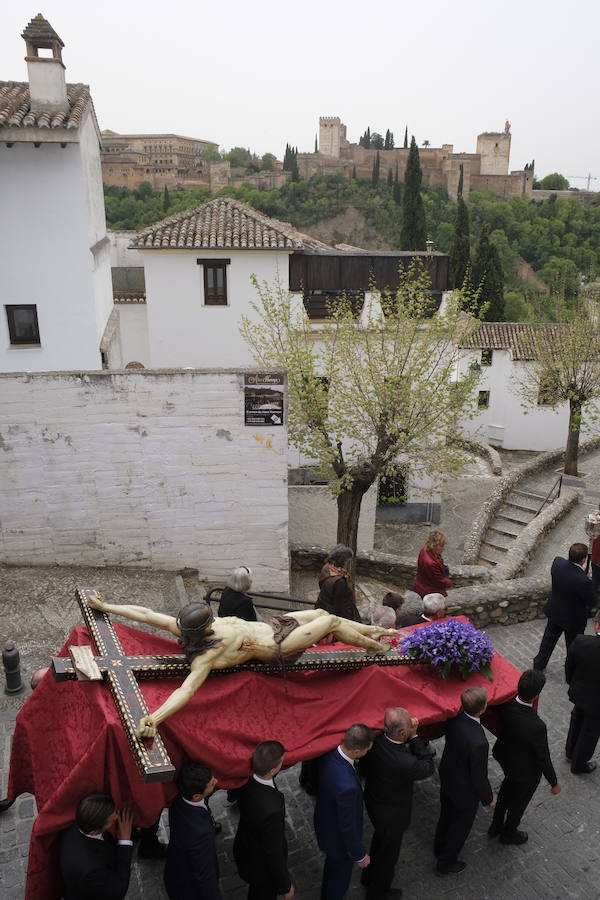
<point x="171" y="159"/>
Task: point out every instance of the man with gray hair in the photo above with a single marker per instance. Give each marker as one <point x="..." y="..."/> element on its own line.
<point x="397" y="759"/>
<point x="434" y="608"/>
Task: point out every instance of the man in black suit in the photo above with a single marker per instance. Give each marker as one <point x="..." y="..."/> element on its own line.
<point x="434" y="608"/>
<point x="94" y="866"/>
<point x="191" y="870"/>
<point x="582" y="670"/>
<point x="260" y="847"/>
<point x="569" y="605"/>
<point x="397" y="759"/>
<point x="522" y="751"/>
<point x="464" y="781"/>
<point x="339" y="812"/>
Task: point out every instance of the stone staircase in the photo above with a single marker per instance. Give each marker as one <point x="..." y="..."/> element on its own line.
<point x="518" y="510"/>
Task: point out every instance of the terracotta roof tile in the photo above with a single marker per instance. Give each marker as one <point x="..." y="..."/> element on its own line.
<point x="16" y="112"/>
<point x="518" y="337"/>
<point x="224" y="224"/>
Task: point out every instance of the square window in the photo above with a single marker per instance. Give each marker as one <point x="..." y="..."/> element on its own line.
<point x="483" y="400"/>
<point x="23" y="324"/>
<point x="215" y="282"/>
<point x="486" y="357"/>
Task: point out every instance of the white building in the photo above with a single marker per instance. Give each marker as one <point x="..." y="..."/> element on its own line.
<point x="57" y="293"/>
<point x="505" y="352"/>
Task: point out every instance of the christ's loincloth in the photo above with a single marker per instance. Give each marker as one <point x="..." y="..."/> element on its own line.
<point x="282" y="627"/>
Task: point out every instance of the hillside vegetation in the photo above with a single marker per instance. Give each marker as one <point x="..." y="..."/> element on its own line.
<point x="559" y="239"/>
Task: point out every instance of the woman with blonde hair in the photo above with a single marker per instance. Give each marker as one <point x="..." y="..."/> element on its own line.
<point x="432" y="573"/>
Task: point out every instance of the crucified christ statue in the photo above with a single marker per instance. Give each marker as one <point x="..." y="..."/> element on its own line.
<point x="211" y="643"/>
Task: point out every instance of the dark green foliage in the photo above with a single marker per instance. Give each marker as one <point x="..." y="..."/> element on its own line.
<point x="460" y="252"/>
<point x="406" y="138"/>
<point x="397" y="193"/>
<point x="389" y="140"/>
<point x="413" y="233"/>
<point x="461" y="179"/>
<point x="377" y="142"/>
<point x="376" y="170"/>
<point x="166" y="200"/>
<point x="390" y="178"/>
<point x="316" y="145"/>
<point x="365" y="140"/>
<point x="488" y="279"/>
<point x="354" y="173"/>
<point x="481" y="256"/>
<point x="554" y="182"/>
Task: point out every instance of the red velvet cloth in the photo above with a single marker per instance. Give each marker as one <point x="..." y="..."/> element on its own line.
<point x="69" y="741"/>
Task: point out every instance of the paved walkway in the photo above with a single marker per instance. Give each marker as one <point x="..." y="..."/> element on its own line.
<point x="560" y="861"/>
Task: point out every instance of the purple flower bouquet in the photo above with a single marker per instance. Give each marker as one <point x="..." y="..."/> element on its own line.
<point x="451" y="643"/>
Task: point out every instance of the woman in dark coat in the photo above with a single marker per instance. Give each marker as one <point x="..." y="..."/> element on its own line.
<point x="432" y="573"/>
<point x="234" y="602"/>
<point x="336" y="593"/>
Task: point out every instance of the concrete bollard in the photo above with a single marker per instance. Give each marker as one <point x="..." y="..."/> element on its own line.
<point x="12" y="669"/>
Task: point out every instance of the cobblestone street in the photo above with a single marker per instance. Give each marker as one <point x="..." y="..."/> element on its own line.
<point x="559" y="861"/>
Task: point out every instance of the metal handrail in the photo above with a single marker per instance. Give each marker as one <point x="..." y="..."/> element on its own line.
<point x="548" y="498"/>
<point x="291" y="603"/>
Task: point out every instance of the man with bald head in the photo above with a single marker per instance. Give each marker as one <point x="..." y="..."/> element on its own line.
<point x="397" y="759"/>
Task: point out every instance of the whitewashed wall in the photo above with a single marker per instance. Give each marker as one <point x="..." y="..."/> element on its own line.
<point x="506" y="423"/>
<point x="131" y="338"/>
<point x="120" y="252"/>
<point x="313" y="517"/>
<point x="141" y="469"/>
<point x="51" y="215"/>
<point x="182" y="331"/>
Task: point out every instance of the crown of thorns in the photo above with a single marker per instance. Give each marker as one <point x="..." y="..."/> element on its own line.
<point x="199" y="608"/>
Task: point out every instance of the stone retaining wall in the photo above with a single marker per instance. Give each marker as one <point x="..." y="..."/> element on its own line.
<point x="485" y="451"/>
<point x="384" y="566"/>
<point x="507" y="484"/>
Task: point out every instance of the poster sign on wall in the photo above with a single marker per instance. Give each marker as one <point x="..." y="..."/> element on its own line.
<point x="263" y="399"/>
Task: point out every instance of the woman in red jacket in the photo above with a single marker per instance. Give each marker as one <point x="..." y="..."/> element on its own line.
<point x="432" y="574"/>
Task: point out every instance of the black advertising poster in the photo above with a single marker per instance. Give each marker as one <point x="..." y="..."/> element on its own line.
<point x="263" y="399"/>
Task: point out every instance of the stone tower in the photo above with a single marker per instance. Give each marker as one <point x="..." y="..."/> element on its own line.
<point x="494" y="149"/>
<point x="332" y="134"/>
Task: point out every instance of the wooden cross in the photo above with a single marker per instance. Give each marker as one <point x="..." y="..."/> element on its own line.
<point x="122" y="673"/>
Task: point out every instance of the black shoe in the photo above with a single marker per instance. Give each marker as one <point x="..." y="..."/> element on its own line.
<point x="517" y="837"/>
<point x="585" y="770"/>
<point x="451" y="868"/>
<point x="494" y="830"/>
<point x="390" y="894"/>
<point x="152" y="851"/>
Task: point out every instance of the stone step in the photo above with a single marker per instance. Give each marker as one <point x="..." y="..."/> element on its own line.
<point x="499" y="539"/>
<point x="517" y="512"/>
<point x="523" y="492"/>
<point x="506" y="525"/>
<point x="491" y="554"/>
<point x="522" y="501"/>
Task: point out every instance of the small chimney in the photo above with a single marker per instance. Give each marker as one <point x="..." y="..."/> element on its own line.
<point x="47" y="87"/>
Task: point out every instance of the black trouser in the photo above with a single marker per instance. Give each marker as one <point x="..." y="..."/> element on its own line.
<point x="513" y="800"/>
<point x="385" y="850"/>
<point x="452" y="830"/>
<point x="264" y="891"/>
<point x="337" y="873"/>
<point x="550" y="638"/>
<point x="582" y="738"/>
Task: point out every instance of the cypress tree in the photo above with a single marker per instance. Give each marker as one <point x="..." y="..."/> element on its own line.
<point x="406" y="138"/>
<point x="166" y="200"/>
<point x="316" y="145"/>
<point x="482" y="253"/>
<point x="368" y="137"/>
<point x="390" y="178"/>
<point x="413" y="233"/>
<point x="493" y="288"/>
<point x="386" y="143"/>
<point x="376" y="170"/>
<point x="461" y="178"/>
<point x="354" y="173"/>
<point x="397" y="188"/>
<point x="460" y="256"/>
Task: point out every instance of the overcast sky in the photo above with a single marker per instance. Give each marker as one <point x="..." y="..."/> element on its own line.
<point x="259" y="74"/>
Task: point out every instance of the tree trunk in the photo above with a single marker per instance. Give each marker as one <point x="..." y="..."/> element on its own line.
<point x="572" y="449"/>
<point x="348" y="503"/>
